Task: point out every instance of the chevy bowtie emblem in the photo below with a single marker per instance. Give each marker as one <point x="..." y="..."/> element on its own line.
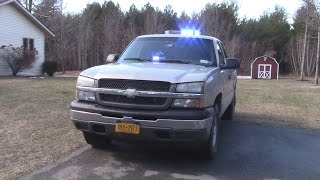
<point x="130" y="93"/>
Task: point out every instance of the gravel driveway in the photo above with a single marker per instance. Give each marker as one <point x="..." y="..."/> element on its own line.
<point x="246" y="152"/>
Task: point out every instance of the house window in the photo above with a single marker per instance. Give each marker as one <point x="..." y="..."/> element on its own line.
<point x="31" y="44"/>
<point x="25" y="43"/>
<point x="28" y="43"/>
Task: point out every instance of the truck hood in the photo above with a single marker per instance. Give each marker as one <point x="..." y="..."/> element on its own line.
<point x="170" y="72"/>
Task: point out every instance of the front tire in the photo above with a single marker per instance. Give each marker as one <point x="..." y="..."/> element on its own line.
<point x="213" y="141"/>
<point x="96" y="141"/>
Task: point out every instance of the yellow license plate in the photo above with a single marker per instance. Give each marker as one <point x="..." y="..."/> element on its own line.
<point x="127" y="128"/>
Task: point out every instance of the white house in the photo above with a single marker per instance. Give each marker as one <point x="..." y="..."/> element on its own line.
<point x="19" y="27"/>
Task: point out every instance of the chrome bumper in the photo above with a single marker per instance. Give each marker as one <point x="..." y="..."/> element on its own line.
<point x="159" y="123"/>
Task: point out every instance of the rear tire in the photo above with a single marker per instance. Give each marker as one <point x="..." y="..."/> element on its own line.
<point x="96" y="141"/>
<point x="211" y="147"/>
<point x="229" y="113"/>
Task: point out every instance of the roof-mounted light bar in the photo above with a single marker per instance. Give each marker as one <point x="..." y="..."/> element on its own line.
<point x="186" y="32"/>
<point x="173" y="32"/>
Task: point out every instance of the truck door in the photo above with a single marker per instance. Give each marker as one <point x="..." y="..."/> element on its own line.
<point x="227" y="78"/>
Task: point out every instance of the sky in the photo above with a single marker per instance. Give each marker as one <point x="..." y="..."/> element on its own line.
<point x="247" y="8"/>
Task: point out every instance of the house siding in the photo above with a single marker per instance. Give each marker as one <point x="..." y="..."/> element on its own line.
<point x="14" y="26"/>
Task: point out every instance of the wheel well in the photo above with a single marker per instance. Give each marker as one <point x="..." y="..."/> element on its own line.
<point x="218" y="100"/>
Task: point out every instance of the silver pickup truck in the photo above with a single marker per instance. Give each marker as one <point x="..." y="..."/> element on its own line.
<point x="171" y="87"/>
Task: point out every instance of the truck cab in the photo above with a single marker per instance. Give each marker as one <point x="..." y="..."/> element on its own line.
<point x="172" y="87"/>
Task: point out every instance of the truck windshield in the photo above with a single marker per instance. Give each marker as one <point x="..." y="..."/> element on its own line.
<point x="183" y="50"/>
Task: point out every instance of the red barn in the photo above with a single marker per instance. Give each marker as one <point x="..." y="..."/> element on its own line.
<point x="265" y="67"/>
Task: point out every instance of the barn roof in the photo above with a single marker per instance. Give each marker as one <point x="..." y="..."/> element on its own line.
<point x="267" y="57"/>
<point x="27" y="14"/>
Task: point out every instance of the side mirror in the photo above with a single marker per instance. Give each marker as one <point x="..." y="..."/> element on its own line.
<point x="231" y="63"/>
<point x="112" y="58"/>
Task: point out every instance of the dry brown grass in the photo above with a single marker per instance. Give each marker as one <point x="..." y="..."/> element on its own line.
<point x="36" y="130"/>
<point x="284" y="102"/>
<point x="35" y="126"/>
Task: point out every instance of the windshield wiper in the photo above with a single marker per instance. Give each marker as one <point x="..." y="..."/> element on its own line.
<point x="175" y="61"/>
<point x="138" y="59"/>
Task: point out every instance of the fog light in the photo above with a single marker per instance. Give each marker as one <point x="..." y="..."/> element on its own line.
<point x="86" y="96"/>
<point x="188" y="103"/>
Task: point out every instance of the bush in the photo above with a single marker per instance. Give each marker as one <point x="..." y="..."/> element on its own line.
<point x="18" y="58"/>
<point x="49" y="67"/>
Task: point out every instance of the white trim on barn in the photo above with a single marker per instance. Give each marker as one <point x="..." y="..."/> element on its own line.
<point x="251" y="71"/>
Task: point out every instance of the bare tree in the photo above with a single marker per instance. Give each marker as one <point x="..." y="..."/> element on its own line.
<point x="314" y="5"/>
<point x="28" y="4"/>
<point x="111" y="19"/>
<point x="304" y="45"/>
<point x="316" y="79"/>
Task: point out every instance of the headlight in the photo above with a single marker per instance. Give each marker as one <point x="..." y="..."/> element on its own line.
<point x="188" y="103"/>
<point x="85" y="82"/>
<point x="86" y="96"/>
<point x="196" y="87"/>
<point x="83" y="95"/>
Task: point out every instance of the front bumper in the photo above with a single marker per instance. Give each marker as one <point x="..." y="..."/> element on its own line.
<point x="170" y="125"/>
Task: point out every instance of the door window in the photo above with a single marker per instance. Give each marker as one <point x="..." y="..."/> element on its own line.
<point x="220" y="54"/>
<point x="268" y="68"/>
<point x="224" y="50"/>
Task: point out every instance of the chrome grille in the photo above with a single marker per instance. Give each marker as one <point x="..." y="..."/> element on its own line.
<point x="118" y="99"/>
<point x="139" y="85"/>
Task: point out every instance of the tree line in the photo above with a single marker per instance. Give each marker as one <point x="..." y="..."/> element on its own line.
<point x="85" y="39"/>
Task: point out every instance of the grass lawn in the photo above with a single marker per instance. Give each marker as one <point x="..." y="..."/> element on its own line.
<point x="36" y="130"/>
<point x="35" y="126"/>
<point x="284" y="102"/>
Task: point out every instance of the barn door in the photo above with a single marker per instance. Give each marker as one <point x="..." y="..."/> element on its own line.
<point x="264" y="71"/>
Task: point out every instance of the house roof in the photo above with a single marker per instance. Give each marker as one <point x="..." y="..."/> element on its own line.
<point x="25" y="12"/>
